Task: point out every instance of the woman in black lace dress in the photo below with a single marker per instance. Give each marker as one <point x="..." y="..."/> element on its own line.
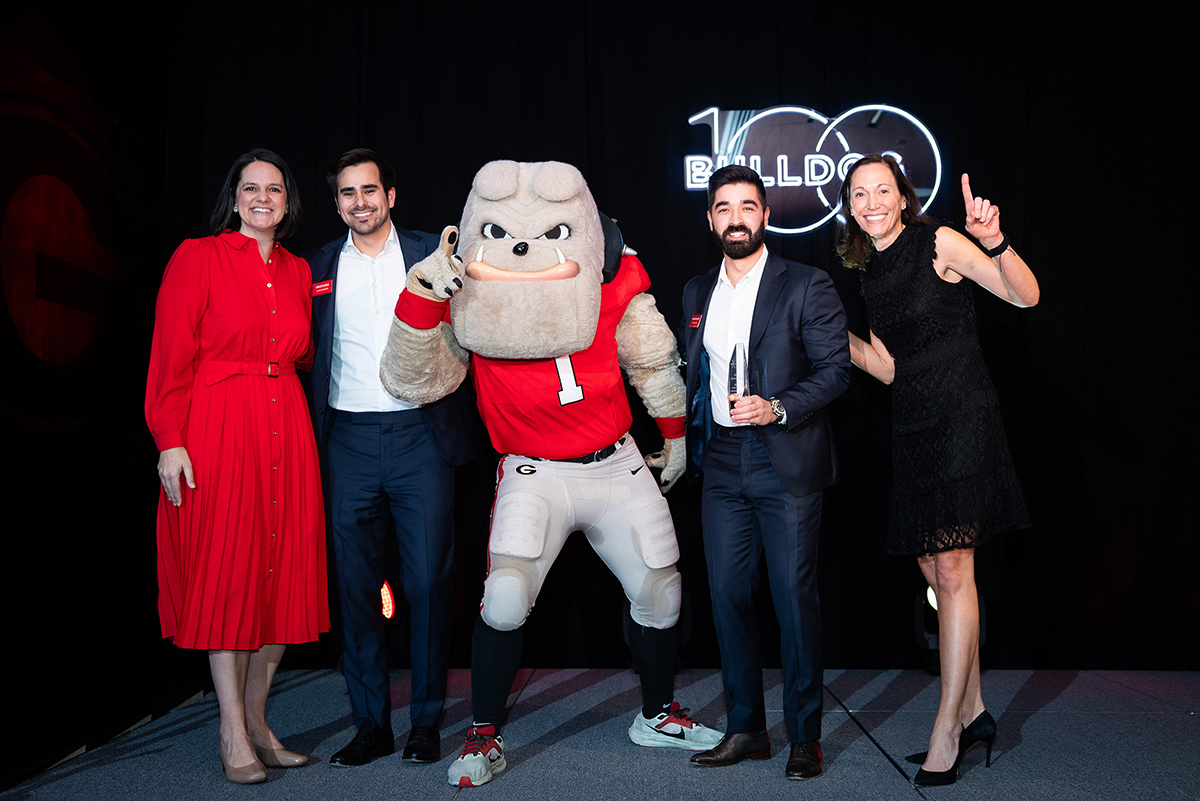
<point x="955" y="486"/>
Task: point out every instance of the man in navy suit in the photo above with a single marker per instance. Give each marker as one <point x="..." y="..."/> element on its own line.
<point x="766" y="455"/>
<point x="382" y="455"/>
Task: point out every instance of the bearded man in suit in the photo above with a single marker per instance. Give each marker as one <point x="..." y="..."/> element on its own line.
<point x="766" y="455"/>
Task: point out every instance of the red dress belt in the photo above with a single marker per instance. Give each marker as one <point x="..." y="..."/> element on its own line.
<point x="226" y="369"/>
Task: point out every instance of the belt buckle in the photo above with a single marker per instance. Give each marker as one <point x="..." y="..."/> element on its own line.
<point x="274" y="365"/>
<point x="606" y="451"/>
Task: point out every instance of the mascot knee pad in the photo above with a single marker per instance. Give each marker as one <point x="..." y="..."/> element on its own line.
<point x="660" y="610"/>
<point x="520" y="522"/>
<point x="654" y="532"/>
<point x="506" y="598"/>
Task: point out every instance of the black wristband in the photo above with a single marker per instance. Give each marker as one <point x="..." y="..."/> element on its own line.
<point x="996" y="251"/>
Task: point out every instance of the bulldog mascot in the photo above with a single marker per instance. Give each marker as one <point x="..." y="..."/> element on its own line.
<point x="544" y="306"/>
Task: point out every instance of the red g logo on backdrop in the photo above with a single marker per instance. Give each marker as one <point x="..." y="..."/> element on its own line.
<point x="803" y="156"/>
<point x="57" y="199"/>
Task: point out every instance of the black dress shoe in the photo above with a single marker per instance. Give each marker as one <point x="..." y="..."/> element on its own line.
<point x="804" y="761"/>
<point x="733" y="748"/>
<point x="424" y="745"/>
<point x="371" y="741"/>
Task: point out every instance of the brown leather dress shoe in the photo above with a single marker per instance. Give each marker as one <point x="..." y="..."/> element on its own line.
<point x="733" y="748"/>
<point x="805" y="761"/>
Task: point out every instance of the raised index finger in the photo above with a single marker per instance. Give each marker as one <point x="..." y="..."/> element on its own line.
<point x="968" y="198"/>
<point x="449" y="240"/>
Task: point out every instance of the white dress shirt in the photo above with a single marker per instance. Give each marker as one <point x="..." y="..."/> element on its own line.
<point x="366" y="293"/>
<point x="730" y="311"/>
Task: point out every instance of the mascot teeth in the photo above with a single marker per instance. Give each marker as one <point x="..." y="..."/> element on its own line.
<point x="480" y="270"/>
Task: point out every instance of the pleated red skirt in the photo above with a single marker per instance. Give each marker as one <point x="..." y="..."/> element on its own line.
<point x="242" y="561"/>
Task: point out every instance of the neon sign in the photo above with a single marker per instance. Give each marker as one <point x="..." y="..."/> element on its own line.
<point x="803" y="156"/>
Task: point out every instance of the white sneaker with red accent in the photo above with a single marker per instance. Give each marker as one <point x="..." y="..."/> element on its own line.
<point x="673" y="729"/>
<point x="481" y="758"/>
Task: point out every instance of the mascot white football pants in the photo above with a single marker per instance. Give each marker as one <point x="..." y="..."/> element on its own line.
<point x="617" y="505"/>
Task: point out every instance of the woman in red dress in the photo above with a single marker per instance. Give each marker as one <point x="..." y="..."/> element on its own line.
<point x="241" y="533"/>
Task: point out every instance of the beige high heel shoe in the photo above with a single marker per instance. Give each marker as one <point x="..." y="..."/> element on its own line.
<point x="278" y="757"/>
<point x="247" y="774"/>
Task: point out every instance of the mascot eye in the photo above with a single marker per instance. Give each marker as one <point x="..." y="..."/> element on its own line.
<point x="493" y="231"/>
<point x="557" y="232"/>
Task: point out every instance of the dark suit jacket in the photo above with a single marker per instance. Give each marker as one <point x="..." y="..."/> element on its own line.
<point x="453" y="418"/>
<point x="798" y="352"/>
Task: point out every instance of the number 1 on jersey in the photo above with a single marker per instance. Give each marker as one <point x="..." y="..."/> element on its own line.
<point x="571" y="392"/>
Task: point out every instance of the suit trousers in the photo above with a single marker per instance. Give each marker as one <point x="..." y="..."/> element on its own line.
<point x="745" y="511"/>
<point x="381" y="461"/>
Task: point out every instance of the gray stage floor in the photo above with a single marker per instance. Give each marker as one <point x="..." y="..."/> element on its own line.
<point x="1063" y="735"/>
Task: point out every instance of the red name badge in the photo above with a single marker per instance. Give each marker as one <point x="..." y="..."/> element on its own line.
<point x="322" y="288"/>
<point x="695" y="323"/>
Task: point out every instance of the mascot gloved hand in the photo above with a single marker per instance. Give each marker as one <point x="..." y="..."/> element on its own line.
<point x="425" y="363"/>
<point x="671" y="460"/>
<point x="438" y="275"/>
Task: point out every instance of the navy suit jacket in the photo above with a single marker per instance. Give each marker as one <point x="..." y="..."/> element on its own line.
<point x="453" y="418"/>
<point x="798" y="352"/>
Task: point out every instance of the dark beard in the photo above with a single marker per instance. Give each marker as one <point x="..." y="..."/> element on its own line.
<point x="747" y="247"/>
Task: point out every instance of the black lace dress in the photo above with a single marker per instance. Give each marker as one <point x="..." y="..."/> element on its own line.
<point x="955" y="486"/>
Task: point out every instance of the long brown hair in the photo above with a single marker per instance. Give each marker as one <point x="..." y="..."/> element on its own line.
<point x="225" y="212"/>
<point x="854" y="247"/>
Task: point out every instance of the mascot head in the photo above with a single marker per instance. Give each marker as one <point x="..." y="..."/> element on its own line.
<point x="533" y="245"/>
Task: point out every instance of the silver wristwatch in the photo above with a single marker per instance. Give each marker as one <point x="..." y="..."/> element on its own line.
<point x="777" y="408"/>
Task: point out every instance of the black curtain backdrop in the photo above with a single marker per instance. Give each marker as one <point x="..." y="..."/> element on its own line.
<point x="1056" y="119"/>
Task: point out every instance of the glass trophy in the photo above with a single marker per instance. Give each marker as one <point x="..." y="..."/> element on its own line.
<point x="739" y="379"/>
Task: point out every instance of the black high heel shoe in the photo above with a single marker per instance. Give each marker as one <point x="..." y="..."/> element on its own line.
<point x="981" y="730"/>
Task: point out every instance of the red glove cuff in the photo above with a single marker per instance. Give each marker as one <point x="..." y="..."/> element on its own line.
<point x="671" y="427"/>
<point x="420" y="312"/>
